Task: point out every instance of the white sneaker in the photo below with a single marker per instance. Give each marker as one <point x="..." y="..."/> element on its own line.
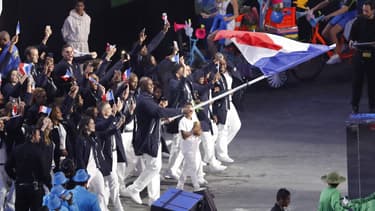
<point x="150" y="202"/>
<point x="202" y="181"/>
<point x="197" y="188"/>
<point x="334" y="59"/>
<point x="171" y="175"/>
<point x="134" y="195"/>
<point x="225" y="159"/>
<point x="180" y="186"/>
<point x="217" y="168"/>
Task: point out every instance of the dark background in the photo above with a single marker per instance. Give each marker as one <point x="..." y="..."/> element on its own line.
<point x="119" y="25"/>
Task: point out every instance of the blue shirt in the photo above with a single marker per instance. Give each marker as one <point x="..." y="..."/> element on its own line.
<point x="85" y="200"/>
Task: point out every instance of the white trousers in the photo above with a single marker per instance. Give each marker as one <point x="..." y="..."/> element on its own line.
<point x="96" y="185"/>
<point x="228" y="131"/>
<point x="112" y="185"/>
<point x="150" y="176"/>
<point x="11" y="199"/>
<point x="192" y="161"/>
<point x="128" y="168"/>
<point x="175" y="154"/>
<point x="208" y="143"/>
<point x="3" y="185"/>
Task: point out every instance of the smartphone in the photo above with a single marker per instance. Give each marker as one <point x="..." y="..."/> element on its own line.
<point x="143" y="30"/>
<point x="175" y="45"/>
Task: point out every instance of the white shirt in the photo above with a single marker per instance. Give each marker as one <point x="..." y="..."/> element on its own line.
<point x="187" y="125"/>
<point x="229" y="80"/>
<point x="62" y="135"/>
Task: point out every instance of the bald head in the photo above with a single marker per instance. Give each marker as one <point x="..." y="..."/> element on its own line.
<point x="133" y="81"/>
<point x="4" y="38"/>
<point x="146" y="85"/>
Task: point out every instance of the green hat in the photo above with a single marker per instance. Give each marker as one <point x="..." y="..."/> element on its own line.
<point x="333" y="178"/>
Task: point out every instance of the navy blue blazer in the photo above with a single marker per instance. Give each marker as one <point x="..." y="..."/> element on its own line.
<point x="148" y="114"/>
<point x="106" y="128"/>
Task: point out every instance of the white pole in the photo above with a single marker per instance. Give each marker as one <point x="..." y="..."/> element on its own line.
<point x="363" y="43"/>
<point x="230" y="91"/>
<point x="221" y="95"/>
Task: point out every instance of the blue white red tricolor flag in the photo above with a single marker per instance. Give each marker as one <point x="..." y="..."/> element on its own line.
<point x="45" y="110"/>
<point x="108" y="96"/>
<point x="14" y="110"/>
<point x="126" y="74"/>
<point x="272" y="53"/>
<point x="25" y="68"/>
<point x="67" y="75"/>
<point x="93" y="80"/>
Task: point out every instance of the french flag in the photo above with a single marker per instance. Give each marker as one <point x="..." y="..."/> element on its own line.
<point x="45" y="110"/>
<point x="25" y="68"/>
<point x="108" y="96"/>
<point x="126" y="74"/>
<point x="272" y="53"/>
<point x="93" y="80"/>
<point x="67" y="75"/>
<point x="14" y="110"/>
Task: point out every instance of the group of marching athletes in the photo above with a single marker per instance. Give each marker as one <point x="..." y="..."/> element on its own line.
<point x="73" y="133"/>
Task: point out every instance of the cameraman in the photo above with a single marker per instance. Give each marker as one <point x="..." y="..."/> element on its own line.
<point x="363" y="30"/>
<point x="26" y="167"/>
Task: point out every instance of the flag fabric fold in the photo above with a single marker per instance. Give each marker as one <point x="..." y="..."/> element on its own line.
<point x="94" y="81"/>
<point x="14" y="110"/>
<point x="126" y="74"/>
<point x="67" y="75"/>
<point x="109" y="96"/>
<point x="272" y="53"/>
<point x="25" y="68"/>
<point x="45" y="110"/>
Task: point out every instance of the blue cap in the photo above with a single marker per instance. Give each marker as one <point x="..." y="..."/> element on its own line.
<point x="81" y="176"/>
<point x="58" y="190"/>
<point x="53" y="202"/>
<point x="59" y="178"/>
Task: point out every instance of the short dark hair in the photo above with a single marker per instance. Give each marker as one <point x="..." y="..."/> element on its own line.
<point x="371" y="3"/>
<point x="80" y="1"/>
<point x="66" y="46"/>
<point x="68" y="166"/>
<point x="282" y="193"/>
<point x="175" y="67"/>
<point x="28" y="50"/>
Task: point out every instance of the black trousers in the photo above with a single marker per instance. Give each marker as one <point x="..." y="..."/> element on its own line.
<point x="364" y="67"/>
<point x="28" y="198"/>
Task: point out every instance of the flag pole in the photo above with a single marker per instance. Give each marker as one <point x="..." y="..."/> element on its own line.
<point x="363" y="43"/>
<point x="200" y="105"/>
